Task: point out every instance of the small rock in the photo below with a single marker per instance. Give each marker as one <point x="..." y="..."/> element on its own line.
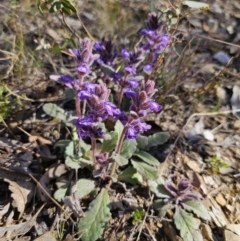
<point x="237" y="124"/>
<point x="207" y="232"/>
<point x="220" y="200"/>
<point x="232" y="232"/>
<point x="222" y="57"/>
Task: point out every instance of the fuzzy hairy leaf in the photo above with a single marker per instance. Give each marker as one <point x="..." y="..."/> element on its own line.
<point x="69" y="150"/>
<point x="157" y="139"/>
<point x="73" y="162"/>
<point x="197" y="208"/>
<point x="62" y="144"/>
<point x="157" y="187"/>
<point x="109" y="145"/>
<point x="128" y="148"/>
<point x="85" y="186"/>
<point x="121" y="161"/>
<point x="148" y="172"/>
<point x="61" y="192"/>
<point x="186" y="224"/>
<point x="130" y="175"/>
<point x="146" y="157"/>
<point x="142" y="141"/>
<point x="162" y="207"/>
<point x="57" y="112"/>
<point x="118" y="128"/>
<point x="96" y="218"/>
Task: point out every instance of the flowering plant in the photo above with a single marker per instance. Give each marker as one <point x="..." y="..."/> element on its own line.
<point x="131" y="97"/>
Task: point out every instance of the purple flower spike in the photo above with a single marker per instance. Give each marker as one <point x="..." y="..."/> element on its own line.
<point x="154" y="106"/>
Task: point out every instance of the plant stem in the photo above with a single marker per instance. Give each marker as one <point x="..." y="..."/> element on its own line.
<point x="118" y="149"/>
<point x="93" y="141"/>
<point x="77" y="105"/>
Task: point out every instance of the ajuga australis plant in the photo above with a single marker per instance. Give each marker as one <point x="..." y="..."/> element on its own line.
<point x="125" y="95"/>
<point x="185" y="201"/>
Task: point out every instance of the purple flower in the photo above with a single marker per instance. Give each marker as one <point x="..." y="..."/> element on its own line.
<point x="135" y="128"/>
<point x="116" y="76"/>
<point x="86" y="127"/>
<point x="148" y="68"/>
<point x="130" y="69"/>
<point x="154" y="106"/>
<point x="83" y="69"/>
<point x="125" y="54"/>
<point x="63" y="79"/>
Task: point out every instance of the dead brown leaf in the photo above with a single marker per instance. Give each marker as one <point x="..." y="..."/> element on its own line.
<point x="18" y="229"/>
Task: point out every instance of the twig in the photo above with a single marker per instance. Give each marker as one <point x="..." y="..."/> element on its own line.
<point x="47" y="194"/>
<point x="144" y="220"/>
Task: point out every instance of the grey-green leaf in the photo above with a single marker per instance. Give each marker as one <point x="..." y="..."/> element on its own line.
<point x="61" y="192"/>
<point x="130" y="175"/>
<point x="146" y="157"/>
<point x="162" y="207"/>
<point x="62" y="144"/>
<point x="128" y="148"/>
<point x="157" y="187"/>
<point x="85" y="186"/>
<point x="69" y="151"/>
<point x="121" y="161"/>
<point x="142" y="141"/>
<point x="118" y="128"/>
<point x="57" y="112"/>
<point x="197" y="208"/>
<point x="109" y="145"/>
<point x="96" y="218"/>
<point x="73" y="162"/>
<point x="186" y="224"/>
<point x="157" y="139"/>
<point x="148" y="172"/>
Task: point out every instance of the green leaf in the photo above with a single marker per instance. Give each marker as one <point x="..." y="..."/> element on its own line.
<point x="107" y="70"/>
<point x="162" y="207"/>
<point x="68" y="5"/>
<point x="57" y="112"/>
<point x="85" y="186"/>
<point x="194" y="4"/>
<point x="130" y="175"/>
<point x="146" y="157"/>
<point x="148" y="172"/>
<point x="186" y="224"/>
<point x="69" y="150"/>
<point x="157" y="139"/>
<point x="96" y="218"/>
<point x="118" y="128"/>
<point x="157" y="187"/>
<point x="128" y="148"/>
<point x="121" y="161"/>
<point x="84" y="146"/>
<point x="73" y="162"/>
<point x="69" y="93"/>
<point x="61" y="192"/>
<point x="197" y="208"/>
<point x="62" y="144"/>
<point x="109" y="145"/>
<point x="142" y="141"/>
